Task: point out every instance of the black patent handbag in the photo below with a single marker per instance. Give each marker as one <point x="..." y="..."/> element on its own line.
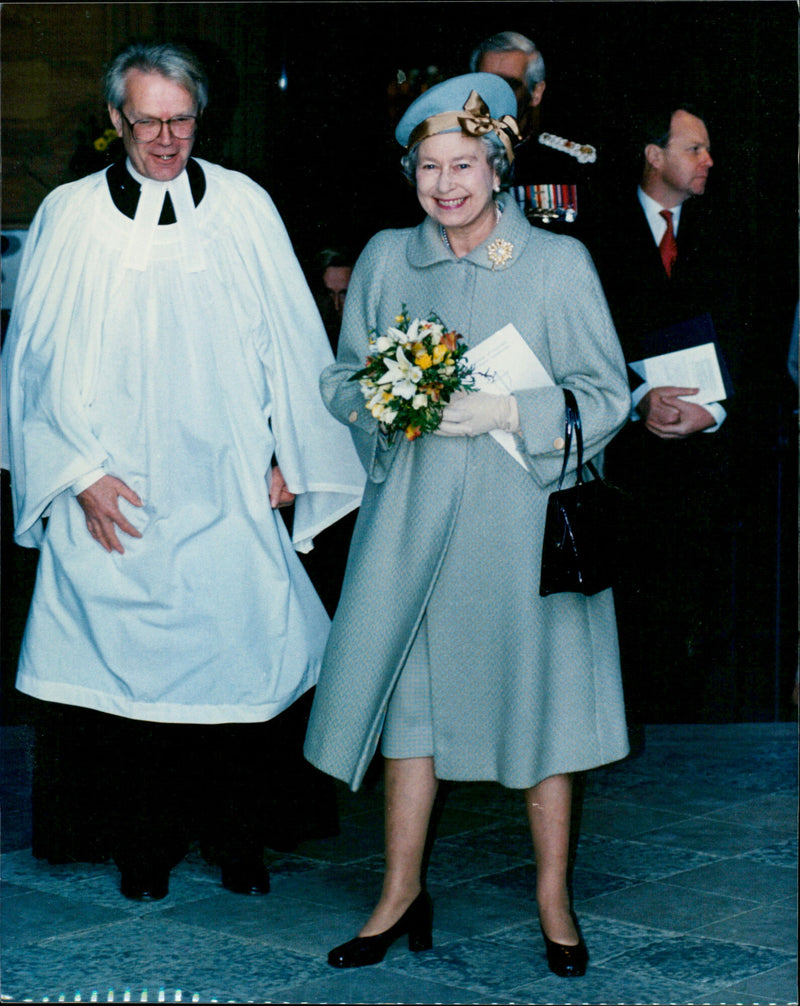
<point x="579" y="551"/>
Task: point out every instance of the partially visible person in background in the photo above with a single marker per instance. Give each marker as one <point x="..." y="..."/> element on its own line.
<point x="552" y="174"/>
<point x="664" y="261"/>
<point x="792" y="357"/>
<point x="792" y="367"/>
<point x="333" y="269"/>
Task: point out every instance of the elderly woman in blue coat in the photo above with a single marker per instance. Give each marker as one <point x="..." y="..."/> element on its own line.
<point x="442" y="650"/>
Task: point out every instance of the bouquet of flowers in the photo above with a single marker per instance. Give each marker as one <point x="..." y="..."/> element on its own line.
<point x="411" y="373"/>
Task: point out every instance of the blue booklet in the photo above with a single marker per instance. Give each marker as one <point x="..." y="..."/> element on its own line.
<point x="698" y="359"/>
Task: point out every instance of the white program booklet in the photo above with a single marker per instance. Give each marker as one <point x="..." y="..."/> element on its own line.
<point x="505" y="363"/>
<point x="695" y="367"/>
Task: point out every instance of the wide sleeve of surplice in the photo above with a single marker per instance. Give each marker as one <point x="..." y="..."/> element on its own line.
<point x="584" y="356"/>
<point x="315" y="454"/>
<point x="49" y="358"/>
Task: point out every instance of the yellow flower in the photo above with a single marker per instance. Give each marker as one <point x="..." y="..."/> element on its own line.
<point x="439" y="353"/>
<point x="100" y="143"/>
<point x="423" y="361"/>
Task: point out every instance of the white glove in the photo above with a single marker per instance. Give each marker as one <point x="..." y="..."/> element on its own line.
<point x="468" y="414"/>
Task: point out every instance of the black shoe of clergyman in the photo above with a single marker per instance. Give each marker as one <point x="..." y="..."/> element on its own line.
<point x="151" y="884"/>
<point x="244" y="876"/>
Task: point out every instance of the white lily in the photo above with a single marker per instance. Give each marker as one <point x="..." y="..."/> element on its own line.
<point x="393" y="337"/>
<point x="434" y="331"/>
<point x="413" y="330"/>
<point x="402" y="374"/>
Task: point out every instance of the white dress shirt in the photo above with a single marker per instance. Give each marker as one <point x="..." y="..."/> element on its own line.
<point x="658" y="227"/>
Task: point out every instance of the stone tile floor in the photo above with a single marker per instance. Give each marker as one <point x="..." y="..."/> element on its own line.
<point x="685" y="884"/>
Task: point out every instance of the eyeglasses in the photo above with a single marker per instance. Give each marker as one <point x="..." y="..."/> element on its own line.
<point x="181" y="127"/>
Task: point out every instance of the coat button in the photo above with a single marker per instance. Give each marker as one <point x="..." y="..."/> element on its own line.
<point x="558" y="443"/>
<point x="353" y="416"/>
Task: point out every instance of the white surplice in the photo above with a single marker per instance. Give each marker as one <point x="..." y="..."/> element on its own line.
<point x="182" y="371"/>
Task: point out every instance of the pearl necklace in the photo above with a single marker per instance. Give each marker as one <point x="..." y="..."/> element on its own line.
<point x="446" y="239"/>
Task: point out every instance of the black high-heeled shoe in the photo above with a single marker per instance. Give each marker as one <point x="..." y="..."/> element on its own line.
<point x="564" y="960"/>
<point x="417" y="921"/>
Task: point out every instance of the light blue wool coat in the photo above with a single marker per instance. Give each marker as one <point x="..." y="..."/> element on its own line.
<point x="522" y="686"/>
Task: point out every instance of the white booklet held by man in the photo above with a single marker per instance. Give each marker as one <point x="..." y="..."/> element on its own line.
<point x="505" y="363"/>
<point x="693" y="367"/>
<point x="685" y="354"/>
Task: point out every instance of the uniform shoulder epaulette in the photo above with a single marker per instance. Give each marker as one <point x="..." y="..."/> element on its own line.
<point x="584" y="153"/>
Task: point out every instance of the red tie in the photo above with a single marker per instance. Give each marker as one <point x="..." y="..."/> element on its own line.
<point x="668" y="246"/>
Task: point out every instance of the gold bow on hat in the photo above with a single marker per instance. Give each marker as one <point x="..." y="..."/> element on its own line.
<point x="475" y="120"/>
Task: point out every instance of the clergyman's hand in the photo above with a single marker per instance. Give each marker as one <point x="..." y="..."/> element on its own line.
<point x="279" y="494"/>
<point x="102" y="512"/>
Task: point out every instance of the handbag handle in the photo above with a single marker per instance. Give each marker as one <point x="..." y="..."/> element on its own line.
<point x="573" y="422"/>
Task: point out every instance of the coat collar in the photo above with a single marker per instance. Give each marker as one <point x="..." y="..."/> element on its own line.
<point x="501" y="250"/>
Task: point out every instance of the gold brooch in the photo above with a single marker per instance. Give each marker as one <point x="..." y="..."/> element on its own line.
<point x="500" y="252"/>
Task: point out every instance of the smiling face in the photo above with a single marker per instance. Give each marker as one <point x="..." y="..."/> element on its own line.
<point x="680" y="169"/>
<point x="151" y="96"/>
<point x="456" y="184"/>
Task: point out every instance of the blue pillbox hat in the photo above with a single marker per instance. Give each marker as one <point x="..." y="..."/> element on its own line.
<point x="451" y="96"/>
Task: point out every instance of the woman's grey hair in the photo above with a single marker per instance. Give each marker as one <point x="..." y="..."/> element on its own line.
<point x="496" y="155"/>
<point x="512" y="41"/>
<point x="174" y="62"/>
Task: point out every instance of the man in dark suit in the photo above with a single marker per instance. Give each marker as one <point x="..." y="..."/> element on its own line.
<point x="661" y="258"/>
<point x="552" y="174"/>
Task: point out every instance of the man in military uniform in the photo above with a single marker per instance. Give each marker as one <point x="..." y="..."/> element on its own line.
<point x="552" y="174"/>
